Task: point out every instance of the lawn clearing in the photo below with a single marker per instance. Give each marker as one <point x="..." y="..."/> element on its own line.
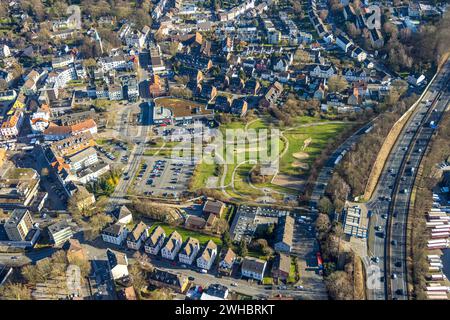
<point x="201" y="237"/>
<point x="300" y="155"/>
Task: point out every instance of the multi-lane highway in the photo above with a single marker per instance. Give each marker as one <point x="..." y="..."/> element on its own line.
<point x="390" y="202"/>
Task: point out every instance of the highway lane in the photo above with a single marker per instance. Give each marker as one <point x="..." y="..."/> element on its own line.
<point x="395" y="184"/>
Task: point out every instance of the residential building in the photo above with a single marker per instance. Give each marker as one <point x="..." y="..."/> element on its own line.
<point x="74" y="251"/>
<point x="19" y="188"/>
<point x="137" y="236"/>
<point x="5" y="52"/>
<point x="253" y="268"/>
<point x="62" y="61"/>
<point x="239" y="107"/>
<point x="167" y="279"/>
<point x="343" y="42"/>
<point x="189" y="251"/>
<point x="227" y="262"/>
<point x="18" y="225"/>
<point x="281" y="267"/>
<point x="115" y="233"/>
<point x="155" y="241"/>
<point x="172" y="246"/>
<point x="60" y="232"/>
<point x="11" y="126"/>
<point x="376" y="38"/>
<point x="118" y="264"/>
<point x="208" y="256"/>
<point x="194" y="61"/>
<point x="272" y="95"/>
<point x="359" y="54"/>
<point x="83" y="159"/>
<point x="215" y="207"/>
<point x="8" y="95"/>
<point x="115" y="92"/>
<point x="40" y="120"/>
<point x="322" y="71"/>
<point x="284" y="234"/>
<point x="215" y="292"/>
<point x="123" y="215"/>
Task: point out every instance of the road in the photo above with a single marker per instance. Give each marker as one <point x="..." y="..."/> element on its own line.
<point x="390" y="202"/>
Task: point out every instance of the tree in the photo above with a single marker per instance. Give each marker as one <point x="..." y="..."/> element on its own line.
<point x="95" y="224"/>
<point x="3" y="85"/>
<point x="161" y="294"/>
<point x="323" y="224"/>
<point x="220" y="226"/>
<point x="226" y="240"/>
<point x="326" y="206"/>
<point x="138" y="276"/>
<point x="337" y="83"/>
<point x="301" y="56"/>
<point x="340" y="286"/>
<point x="243" y="250"/>
<point x="15" y="291"/>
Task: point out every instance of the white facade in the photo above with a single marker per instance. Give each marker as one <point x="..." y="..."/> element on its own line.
<point x="11" y="126"/>
<point x="322" y="71"/>
<point x="4" y="51"/>
<point x="253" y="274"/>
<point x="189" y="259"/>
<point x="207" y="263"/>
<point x="115" y="93"/>
<point x="117" y="240"/>
<point x="119" y="271"/>
<point x="153" y="246"/>
<point x="170" y="252"/>
<point x="113" y="63"/>
<point x="63" y="61"/>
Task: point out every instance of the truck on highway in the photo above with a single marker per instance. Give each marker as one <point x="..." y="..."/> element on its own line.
<point x="436" y="277"/>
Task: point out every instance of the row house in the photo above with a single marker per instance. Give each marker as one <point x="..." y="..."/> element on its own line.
<point x="62" y="61"/>
<point x="189" y="251"/>
<point x="137" y="236"/>
<point x="172" y="246"/>
<point x="208" y="256"/>
<point x="115" y="234"/>
<point x="155" y="241"/>
<point x="322" y="71"/>
<point x="197" y="62"/>
<point x="11" y="125"/>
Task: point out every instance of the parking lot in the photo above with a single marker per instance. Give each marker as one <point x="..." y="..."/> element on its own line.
<point x="163" y="177"/>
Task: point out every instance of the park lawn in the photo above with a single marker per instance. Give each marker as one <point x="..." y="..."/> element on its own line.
<point x="320" y="135"/>
<point x="292" y="273"/>
<point x="201" y="174"/>
<point x="158" y="152"/>
<point x="184" y="233"/>
<point x="300" y="120"/>
<point x="241" y="183"/>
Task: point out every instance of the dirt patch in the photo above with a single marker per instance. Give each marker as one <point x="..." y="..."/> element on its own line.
<point x="300" y="155"/>
<point x="288" y="181"/>
<point x="301" y="165"/>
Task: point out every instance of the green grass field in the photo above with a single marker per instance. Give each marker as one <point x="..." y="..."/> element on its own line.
<point x="201" y="175"/>
<point x="320" y="136"/>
